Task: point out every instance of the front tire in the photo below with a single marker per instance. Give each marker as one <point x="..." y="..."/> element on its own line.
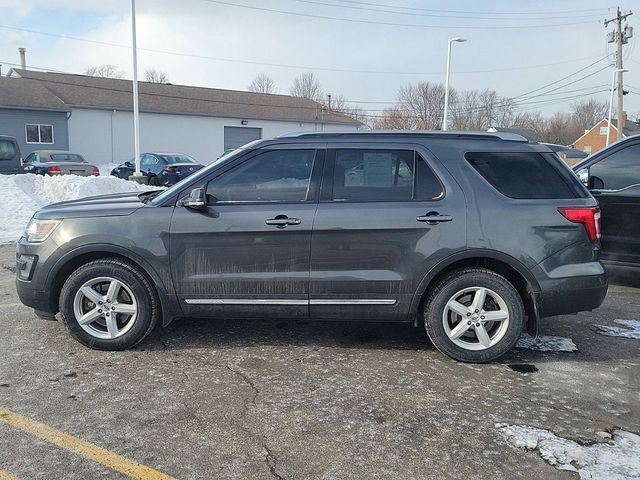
<point x="474" y="315"/>
<point x="109" y="304"/>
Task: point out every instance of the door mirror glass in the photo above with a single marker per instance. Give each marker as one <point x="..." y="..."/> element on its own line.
<point x="583" y="175"/>
<point x="196" y="200"/>
<point x="129" y="163"/>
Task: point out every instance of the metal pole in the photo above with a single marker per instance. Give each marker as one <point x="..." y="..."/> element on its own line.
<point x="620" y="109"/>
<point x="613" y="82"/>
<point x="446" y="87"/>
<point x="136" y="112"/>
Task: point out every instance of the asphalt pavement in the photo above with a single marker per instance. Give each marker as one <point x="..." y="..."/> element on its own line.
<point x="207" y="399"/>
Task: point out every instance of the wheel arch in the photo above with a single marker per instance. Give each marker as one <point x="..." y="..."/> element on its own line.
<point x="74" y="259"/>
<point x="503" y="264"/>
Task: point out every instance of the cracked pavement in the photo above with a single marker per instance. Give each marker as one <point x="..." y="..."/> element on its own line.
<point x="271" y="399"/>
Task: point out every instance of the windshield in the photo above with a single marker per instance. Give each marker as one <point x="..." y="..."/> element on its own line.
<point x="201" y="173"/>
<point x="171" y="158"/>
<point x="66" y="157"/>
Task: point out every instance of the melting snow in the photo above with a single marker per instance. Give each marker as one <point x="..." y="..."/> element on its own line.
<point x="617" y="459"/>
<point x="630" y="329"/>
<point x="22" y="195"/>
<point x="547" y="344"/>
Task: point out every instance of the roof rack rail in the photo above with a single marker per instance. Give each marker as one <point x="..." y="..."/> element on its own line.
<point x="514" y="137"/>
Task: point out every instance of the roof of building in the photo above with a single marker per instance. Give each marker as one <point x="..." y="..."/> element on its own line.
<point x="28" y="94"/>
<point x="82" y="91"/>
<point x="630" y="127"/>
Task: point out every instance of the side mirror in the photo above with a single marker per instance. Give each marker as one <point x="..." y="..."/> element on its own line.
<point x="129" y="163"/>
<point x="197" y="199"/>
<point x="583" y="175"/>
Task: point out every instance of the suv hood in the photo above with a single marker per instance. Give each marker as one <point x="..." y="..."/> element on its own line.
<point x="111" y="205"/>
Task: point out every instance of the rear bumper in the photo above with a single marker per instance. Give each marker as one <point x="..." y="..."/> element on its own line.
<point x="560" y="295"/>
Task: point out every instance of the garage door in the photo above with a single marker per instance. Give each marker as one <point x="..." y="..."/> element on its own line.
<point x="235" y="137"/>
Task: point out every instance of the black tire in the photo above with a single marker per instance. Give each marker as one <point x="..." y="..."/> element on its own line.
<point x="435" y="308"/>
<point x="148" y="304"/>
<point x="154" y="182"/>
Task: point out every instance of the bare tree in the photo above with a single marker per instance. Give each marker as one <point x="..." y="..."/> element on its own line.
<point x="587" y="113"/>
<point x="393" y="118"/>
<point x="104" y="71"/>
<point x="307" y="85"/>
<point x="152" y="75"/>
<point x="423" y="104"/>
<point x="263" y="83"/>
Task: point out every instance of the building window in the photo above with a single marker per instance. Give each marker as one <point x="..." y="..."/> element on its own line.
<point x="603" y="131"/>
<point x="37" y="133"/>
<point x="587" y="149"/>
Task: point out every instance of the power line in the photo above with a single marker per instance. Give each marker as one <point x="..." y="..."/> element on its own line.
<point x="468" y="12"/>
<point x="279" y="65"/>
<point x="436" y="15"/>
<point x="393" y="24"/>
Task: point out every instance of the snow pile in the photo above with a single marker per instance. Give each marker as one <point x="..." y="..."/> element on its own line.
<point x="22" y="195"/>
<point x="617" y="459"/>
<point x="631" y="329"/>
<point x="547" y="344"/>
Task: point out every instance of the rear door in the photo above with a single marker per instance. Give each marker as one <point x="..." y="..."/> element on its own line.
<point x="388" y="213"/>
<point x="614" y="181"/>
<point x="247" y="255"/>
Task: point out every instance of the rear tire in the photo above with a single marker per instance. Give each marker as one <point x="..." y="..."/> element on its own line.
<point x="473" y="315"/>
<point x="109" y="304"/>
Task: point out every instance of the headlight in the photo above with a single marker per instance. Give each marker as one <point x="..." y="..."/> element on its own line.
<point x="39" y="230"/>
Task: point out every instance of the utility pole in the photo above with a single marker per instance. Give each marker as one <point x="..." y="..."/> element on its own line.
<point x="620" y="37"/>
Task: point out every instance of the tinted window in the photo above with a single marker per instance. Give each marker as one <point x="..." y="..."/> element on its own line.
<point x="383" y="175"/>
<point x="7" y="150"/>
<point x="171" y="159"/>
<point x="618" y="170"/>
<point x="524" y="174"/>
<point x="274" y="176"/>
<point x="148" y="160"/>
<point x="66" y="157"/>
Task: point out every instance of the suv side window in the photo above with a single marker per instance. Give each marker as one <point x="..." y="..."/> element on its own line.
<point x="619" y="170"/>
<point x="383" y="175"/>
<point x="525" y="175"/>
<point x="7" y="150"/>
<point x="272" y="176"/>
<point x="148" y="161"/>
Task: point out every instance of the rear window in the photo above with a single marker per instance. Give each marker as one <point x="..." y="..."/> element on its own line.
<point x="530" y="175"/>
<point x="66" y="157"/>
<point x="7" y="150"/>
<point x="172" y="159"/>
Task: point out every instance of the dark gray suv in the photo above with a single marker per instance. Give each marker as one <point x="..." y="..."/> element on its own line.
<point x="475" y="235"/>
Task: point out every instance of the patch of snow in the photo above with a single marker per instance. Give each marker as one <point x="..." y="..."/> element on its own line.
<point x="616" y="459"/>
<point x="547" y="344"/>
<point x="630" y="329"/>
<point x="22" y="195"/>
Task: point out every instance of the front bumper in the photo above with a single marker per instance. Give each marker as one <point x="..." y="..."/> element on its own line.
<point x="31" y="297"/>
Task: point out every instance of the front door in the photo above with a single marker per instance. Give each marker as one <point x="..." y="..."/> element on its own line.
<point x="247" y="255"/>
<point x="387" y="215"/>
<point x="615" y="182"/>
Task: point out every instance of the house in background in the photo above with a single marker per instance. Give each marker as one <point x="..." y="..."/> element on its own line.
<point x="595" y="138"/>
<point x="33" y="115"/>
<point x="94" y="116"/>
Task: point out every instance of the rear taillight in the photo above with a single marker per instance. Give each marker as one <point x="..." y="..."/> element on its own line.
<point x="170" y="169"/>
<point x="587" y="216"/>
<point x="54" y="170"/>
<point x="95" y="170"/>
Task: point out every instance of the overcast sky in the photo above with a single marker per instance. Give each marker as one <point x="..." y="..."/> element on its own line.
<point x="510" y="60"/>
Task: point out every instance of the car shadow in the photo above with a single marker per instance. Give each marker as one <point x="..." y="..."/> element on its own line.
<point x="199" y="333"/>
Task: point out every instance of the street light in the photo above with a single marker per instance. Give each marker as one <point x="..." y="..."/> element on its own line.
<point x="137" y="176"/>
<point x="613" y="82"/>
<point x="446" y="85"/>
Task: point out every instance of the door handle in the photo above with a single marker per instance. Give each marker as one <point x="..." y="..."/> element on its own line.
<point x="282" y="221"/>
<point x="433" y="218"/>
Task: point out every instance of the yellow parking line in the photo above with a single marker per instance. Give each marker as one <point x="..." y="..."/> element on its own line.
<point x="80" y="447"/>
<point x="4" y="475"/>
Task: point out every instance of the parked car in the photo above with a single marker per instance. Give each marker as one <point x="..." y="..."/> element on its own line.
<point x="162" y="169"/>
<point x="613" y="178"/>
<point x="58" y="162"/>
<point x="10" y="157"/>
<point x="475" y="236"/>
